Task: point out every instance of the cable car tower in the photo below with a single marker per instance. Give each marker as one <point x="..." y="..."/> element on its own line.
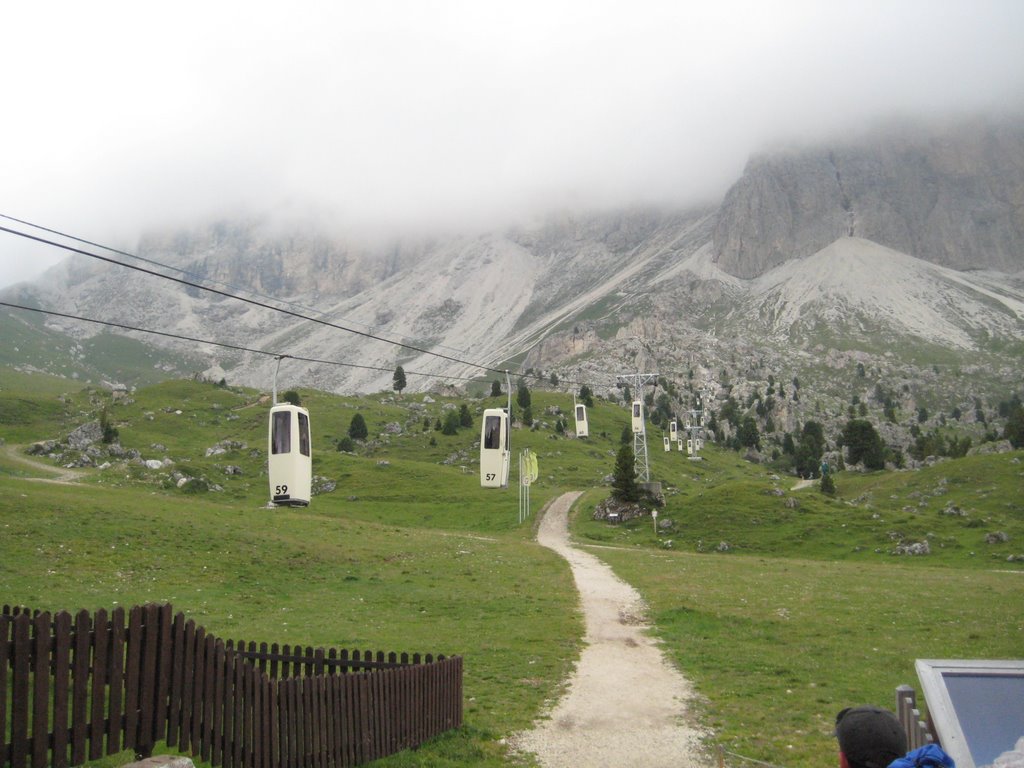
<point x="636" y="381"/>
<point x="695" y="427"/>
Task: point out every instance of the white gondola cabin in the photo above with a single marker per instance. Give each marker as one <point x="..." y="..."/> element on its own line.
<point x="689" y="447"/>
<point x="668" y="444"/>
<point x="673" y="431"/>
<point x="679" y="443"/>
<point x="638" y="416"/>
<point x="582" y="427"/>
<point x="289" y="456"/>
<point x="495" y="448"/>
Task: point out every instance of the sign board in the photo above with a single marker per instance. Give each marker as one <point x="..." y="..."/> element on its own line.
<point x="975" y="706"/>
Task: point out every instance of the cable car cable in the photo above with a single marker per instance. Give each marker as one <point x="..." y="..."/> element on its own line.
<point x="227" y="346"/>
<point x="181" y="271"/>
<point x="253" y="302"/>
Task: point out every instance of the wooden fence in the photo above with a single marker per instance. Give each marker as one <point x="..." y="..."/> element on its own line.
<point x="918" y="731"/>
<point x="77" y="688"/>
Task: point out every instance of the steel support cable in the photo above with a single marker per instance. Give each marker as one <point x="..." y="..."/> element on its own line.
<point x="223" y="344"/>
<point x="225" y="294"/>
<point x="253" y="302"/>
<point x="173" y="269"/>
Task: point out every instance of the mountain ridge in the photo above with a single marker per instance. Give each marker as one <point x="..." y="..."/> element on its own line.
<point x="950" y="193"/>
<point x="590" y="297"/>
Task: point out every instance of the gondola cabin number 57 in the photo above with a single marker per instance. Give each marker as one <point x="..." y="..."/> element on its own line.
<point x="495" y="449"/>
<point x="289" y="456"/>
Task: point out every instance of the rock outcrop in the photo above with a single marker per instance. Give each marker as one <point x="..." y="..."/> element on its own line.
<point x="953" y="196"/>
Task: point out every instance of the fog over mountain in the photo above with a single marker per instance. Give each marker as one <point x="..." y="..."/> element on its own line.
<point x="384" y="120"/>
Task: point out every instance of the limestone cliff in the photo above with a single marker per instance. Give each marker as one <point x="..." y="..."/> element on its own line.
<point x="952" y="195"/>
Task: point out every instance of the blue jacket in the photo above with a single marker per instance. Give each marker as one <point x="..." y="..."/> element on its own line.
<point x="928" y="756"/>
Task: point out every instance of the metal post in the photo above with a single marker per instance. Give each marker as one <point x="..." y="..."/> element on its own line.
<point x="525" y="479"/>
<point x="696" y="428"/>
<point x="276" y="371"/>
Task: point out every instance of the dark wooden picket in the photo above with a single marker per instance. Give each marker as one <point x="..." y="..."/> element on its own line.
<point x="75" y="688"/>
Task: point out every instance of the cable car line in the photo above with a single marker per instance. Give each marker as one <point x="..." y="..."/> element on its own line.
<point x="253" y="302"/>
<point x="225" y="345"/>
<point x="184" y="271"/>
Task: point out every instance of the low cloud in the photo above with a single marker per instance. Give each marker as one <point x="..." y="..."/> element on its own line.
<point x="128" y="116"/>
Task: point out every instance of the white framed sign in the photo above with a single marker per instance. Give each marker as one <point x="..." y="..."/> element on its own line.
<point x="976" y="706"/>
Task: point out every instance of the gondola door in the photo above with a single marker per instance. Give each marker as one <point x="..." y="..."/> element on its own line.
<point x="289" y="456"/>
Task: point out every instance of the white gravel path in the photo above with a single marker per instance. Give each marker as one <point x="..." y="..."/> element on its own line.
<point x="625" y="704"/>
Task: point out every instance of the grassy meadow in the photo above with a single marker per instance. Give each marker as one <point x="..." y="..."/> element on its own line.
<point x="781" y="605"/>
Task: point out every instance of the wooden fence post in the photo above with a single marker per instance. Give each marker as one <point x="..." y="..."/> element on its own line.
<point x="5" y="645"/>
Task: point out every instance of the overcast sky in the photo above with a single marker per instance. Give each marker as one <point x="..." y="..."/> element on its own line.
<point x="123" y="116"/>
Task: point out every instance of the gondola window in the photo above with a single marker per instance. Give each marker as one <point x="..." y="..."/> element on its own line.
<point x="282" y="434"/>
<point x="304" y="434"/>
<point x="492" y="432"/>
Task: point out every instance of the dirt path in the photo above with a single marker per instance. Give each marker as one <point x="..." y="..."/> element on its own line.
<point x="63" y="476"/>
<point x="625" y="704"/>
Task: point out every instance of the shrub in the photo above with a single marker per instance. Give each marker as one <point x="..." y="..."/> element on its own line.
<point x="451" y="423"/>
<point x="357" y="428"/>
<point x="110" y="433"/>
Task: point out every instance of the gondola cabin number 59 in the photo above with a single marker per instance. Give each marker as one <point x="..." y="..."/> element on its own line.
<point x="289" y="456"/>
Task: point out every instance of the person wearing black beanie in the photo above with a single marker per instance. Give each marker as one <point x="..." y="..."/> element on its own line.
<point x="869" y="737"/>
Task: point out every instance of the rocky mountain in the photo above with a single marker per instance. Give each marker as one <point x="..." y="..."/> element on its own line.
<point x="892" y="265"/>
<point x="951" y="194"/>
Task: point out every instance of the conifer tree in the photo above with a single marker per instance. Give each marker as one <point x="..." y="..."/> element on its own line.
<point x="357" y="428"/>
<point x="624" y="485"/>
<point x="398" y="380"/>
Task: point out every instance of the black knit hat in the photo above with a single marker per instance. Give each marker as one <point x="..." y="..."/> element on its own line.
<point x="870" y="737"/>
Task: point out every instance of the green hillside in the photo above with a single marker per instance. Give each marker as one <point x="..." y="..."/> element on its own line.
<point x="761" y="593"/>
<point x="30" y="345"/>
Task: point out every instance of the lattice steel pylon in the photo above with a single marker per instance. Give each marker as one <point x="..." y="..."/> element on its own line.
<point x="640" y="461"/>
<point x="695" y="426"/>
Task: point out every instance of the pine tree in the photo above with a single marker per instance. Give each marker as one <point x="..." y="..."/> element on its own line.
<point x="624" y="485"/>
<point x="748" y="435"/>
<point x="586" y="396"/>
<point x="398" y="380"/>
<point x="357" y="428"/>
<point x="864" y="444"/>
<point x="523" y="398"/>
<point x="495" y="388"/>
<point x="108" y="430"/>
<point x="1014" y="429"/>
<point x="451" y="423"/>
